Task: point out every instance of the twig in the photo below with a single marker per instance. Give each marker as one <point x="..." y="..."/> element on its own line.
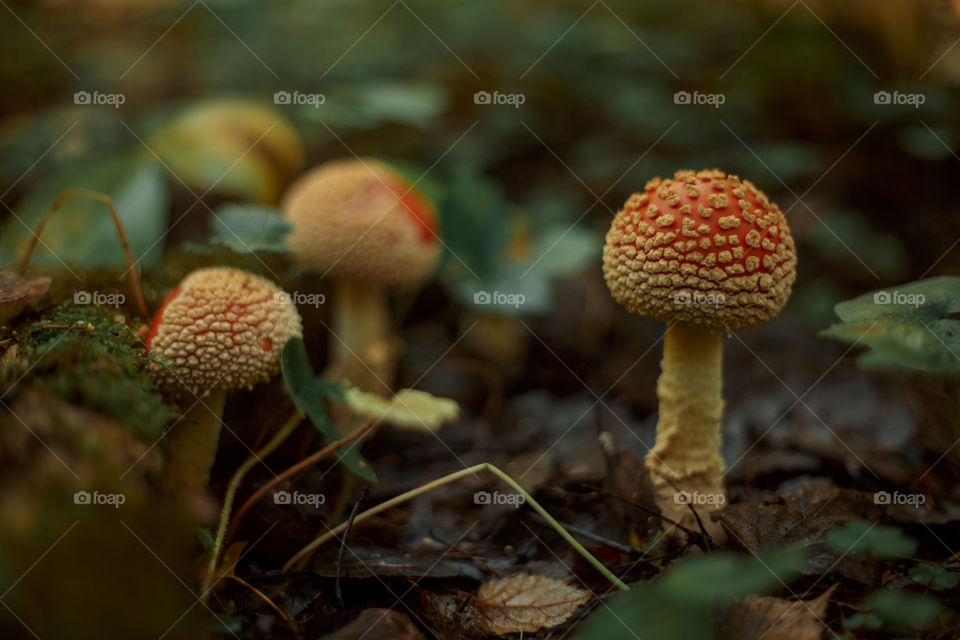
<point x="297" y="468"/>
<point x="447" y="479"/>
<point x="86" y="193"/>
<point x="346" y="534"/>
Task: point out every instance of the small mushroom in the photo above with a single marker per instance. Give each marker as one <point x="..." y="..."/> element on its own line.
<point x="363" y="224"/>
<point x="703" y="252"/>
<point x="219" y="329"/>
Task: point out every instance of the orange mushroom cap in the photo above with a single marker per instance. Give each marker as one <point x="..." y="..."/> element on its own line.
<point x="360" y="219"/>
<point x="701" y="248"/>
<point x="221" y="328"/>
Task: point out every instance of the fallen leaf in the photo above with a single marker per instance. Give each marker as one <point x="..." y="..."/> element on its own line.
<point x="16" y="294"/>
<point x="778" y="619"/>
<point x="409" y="408"/>
<point x="526" y="604"/>
<point x="378" y="623"/>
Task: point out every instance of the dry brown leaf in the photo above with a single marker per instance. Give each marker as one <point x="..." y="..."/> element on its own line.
<point x="777" y="619"/>
<point x="525" y="603"/>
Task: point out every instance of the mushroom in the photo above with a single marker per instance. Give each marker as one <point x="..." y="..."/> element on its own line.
<point x="219" y="329"/>
<point x="365" y="225"/>
<point x="703" y="252"/>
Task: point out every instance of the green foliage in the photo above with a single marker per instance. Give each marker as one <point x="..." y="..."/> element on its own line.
<point x="915" y="325"/>
<point x="309" y="392"/>
<point x="934" y="576"/>
<point x="681" y="603"/>
<point x="901" y="609"/>
<point x="250" y="228"/>
<point x="81" y="354"/>
<point x="82" y="233"/>
<point x="880" y="541"/>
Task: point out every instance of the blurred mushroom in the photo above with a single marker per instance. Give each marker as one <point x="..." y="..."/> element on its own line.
<point x="702" y="252"/>
<point x="366" y="226"/>
<point x="219" y="329"/>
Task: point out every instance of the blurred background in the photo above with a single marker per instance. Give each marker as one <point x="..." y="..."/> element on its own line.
<point x="528" y="124"/>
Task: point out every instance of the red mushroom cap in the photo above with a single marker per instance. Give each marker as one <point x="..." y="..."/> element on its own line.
<point x="360" y="219"/>
<point x="221" y="328"/>
<point x="702" y="248"/>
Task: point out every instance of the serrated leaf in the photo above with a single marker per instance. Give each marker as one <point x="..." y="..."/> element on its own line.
<point x="409" y="408"/>
<point x="934" y="576"/>
<point x="308" y="392"/>
<point x="250" y="228"/>
<point x="904" y="609"/>
<point x="860" y="537"/>
<point x="915" y="325"/>
<point x="526" y="603"/>
<point x="82" y="234"/>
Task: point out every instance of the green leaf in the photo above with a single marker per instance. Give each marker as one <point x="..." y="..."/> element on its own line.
<point x="863" y="621"/>
<point x="644" y="613"/>
<point x="82" y="234"/>
<point x="725" y="576"/>
<point x="205" y="536"/>
<point x="860" y="537"/>
<point x="308" y="392"/>
<point x="250" y="228"/>
<point x="916" y="325"/>
<point x="934" y="576"/>
<point x="904" y="609"/>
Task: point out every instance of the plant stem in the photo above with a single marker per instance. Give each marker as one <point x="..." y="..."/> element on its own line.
<point x="453" y="477"/>
<point x="279" y="438"/>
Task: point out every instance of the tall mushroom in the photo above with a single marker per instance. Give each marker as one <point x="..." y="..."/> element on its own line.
<point x="219" y="329"/>
<point x="703" y="252"/>
<point x="362" y="223"/>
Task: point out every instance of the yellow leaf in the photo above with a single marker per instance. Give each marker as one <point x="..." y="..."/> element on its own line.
<point x="526" y="604"/>
<point x="409" y="408"/>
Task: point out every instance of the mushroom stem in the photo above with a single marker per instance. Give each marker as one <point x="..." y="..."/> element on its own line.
<point x="192" y="443"/>
<point x="686" y="456"/>
<point x="362" y="348"/>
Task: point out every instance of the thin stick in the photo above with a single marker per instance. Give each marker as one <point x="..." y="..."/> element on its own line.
<point x="447" y="479"/>
<point x="86" y="193"/>
<point x="279" y="437"/>
<point x="297" y="468"/>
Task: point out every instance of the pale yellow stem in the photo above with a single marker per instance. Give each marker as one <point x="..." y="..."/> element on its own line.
<point x="192" y="443"/>
<point x="685" y="463"/>
<point x="363" y="349"/>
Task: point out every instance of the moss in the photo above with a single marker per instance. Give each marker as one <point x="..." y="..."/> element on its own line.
<point x="92" y="357"/>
